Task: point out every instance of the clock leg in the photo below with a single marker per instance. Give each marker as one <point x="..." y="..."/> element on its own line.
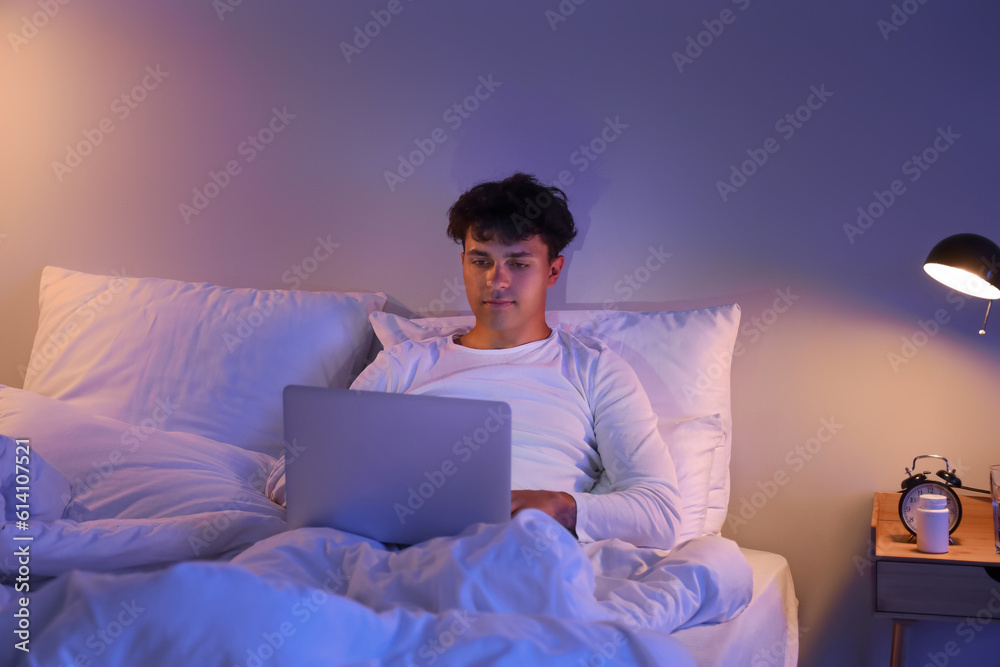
<point x="896" y="657"/>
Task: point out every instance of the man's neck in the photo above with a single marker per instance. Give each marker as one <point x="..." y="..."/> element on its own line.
<point x="481" y="338"/>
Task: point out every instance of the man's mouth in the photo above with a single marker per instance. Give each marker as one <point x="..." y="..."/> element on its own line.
<point x="498" y="302"/>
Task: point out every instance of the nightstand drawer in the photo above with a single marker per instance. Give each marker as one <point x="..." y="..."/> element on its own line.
<point x="947" y="590"/>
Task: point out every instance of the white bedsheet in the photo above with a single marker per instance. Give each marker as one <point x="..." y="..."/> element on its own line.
<point x="765" y="634"/>
<point x="523" y="592"/>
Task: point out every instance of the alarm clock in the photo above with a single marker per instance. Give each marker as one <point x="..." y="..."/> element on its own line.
<point x="917" y="484"/>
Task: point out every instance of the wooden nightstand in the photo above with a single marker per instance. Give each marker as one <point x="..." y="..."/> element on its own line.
<point x="910" y="584"/>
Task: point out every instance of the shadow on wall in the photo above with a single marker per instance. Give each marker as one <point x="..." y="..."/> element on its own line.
<point x="849" y="625"/>
<point x="562" y="150"/>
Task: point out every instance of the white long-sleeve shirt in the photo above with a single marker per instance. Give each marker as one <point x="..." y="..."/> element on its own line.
<point x="577" y="408"/>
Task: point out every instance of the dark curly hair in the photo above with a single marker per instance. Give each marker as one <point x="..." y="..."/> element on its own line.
<point x="512" y="210"/>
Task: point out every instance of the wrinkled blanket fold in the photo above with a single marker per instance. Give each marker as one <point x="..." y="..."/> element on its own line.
<point x="132" y="592"/>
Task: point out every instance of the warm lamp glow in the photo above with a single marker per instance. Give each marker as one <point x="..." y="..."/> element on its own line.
<point x="962" y="280"/>
<point x="968" y="263"/>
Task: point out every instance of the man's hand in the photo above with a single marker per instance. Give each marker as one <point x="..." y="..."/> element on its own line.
<point x="557" y="504"/>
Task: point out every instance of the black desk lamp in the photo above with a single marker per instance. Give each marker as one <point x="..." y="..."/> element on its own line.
<point x="968" y="263"/>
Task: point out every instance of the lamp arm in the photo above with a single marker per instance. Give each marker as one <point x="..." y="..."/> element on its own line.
<point x="970" y="488"/>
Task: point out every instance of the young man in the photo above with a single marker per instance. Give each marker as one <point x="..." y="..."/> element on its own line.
<point x="586" y="450"/>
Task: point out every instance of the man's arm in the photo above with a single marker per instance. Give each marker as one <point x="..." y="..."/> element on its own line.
<point x="643" y="504"/>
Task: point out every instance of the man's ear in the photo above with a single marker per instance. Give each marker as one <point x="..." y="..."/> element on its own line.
<point x="555" y="269"/>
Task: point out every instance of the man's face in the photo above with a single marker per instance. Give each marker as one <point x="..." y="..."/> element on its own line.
<point x="506" y="287"/>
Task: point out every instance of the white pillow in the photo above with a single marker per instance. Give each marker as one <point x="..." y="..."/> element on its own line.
<point x="683" y="360"/>
<point x="114" y="474"/>
<point x="692" y="444"/>
<point x="194" y="357"/>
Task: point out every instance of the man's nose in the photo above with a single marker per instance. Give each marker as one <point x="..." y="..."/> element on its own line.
<point x="498" y="277"/>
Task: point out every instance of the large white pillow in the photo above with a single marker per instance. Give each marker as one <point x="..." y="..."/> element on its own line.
<point x="683" y="360"/>
<point x="193" y="357"/>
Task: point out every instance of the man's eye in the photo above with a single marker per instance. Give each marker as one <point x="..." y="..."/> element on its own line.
<point x="520" y="265"/>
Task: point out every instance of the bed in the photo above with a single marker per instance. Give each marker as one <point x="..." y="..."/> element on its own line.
<point x="145" y="444"/>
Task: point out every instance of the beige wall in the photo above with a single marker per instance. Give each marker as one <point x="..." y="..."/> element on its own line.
<point x="851" y="298"/>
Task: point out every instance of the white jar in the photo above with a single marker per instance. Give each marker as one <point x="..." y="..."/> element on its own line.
<point x="932" y="524"/>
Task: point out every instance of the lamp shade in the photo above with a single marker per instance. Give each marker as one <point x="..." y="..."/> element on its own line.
<point x="968" y="263"/>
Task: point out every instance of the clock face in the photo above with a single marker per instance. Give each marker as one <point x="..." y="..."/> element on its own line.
<point x="910" y="501"/>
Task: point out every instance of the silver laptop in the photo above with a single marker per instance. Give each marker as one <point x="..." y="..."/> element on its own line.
<point x="398" y="468"/>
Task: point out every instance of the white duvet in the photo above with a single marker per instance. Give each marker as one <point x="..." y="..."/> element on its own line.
<point x="229" y="586"/>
